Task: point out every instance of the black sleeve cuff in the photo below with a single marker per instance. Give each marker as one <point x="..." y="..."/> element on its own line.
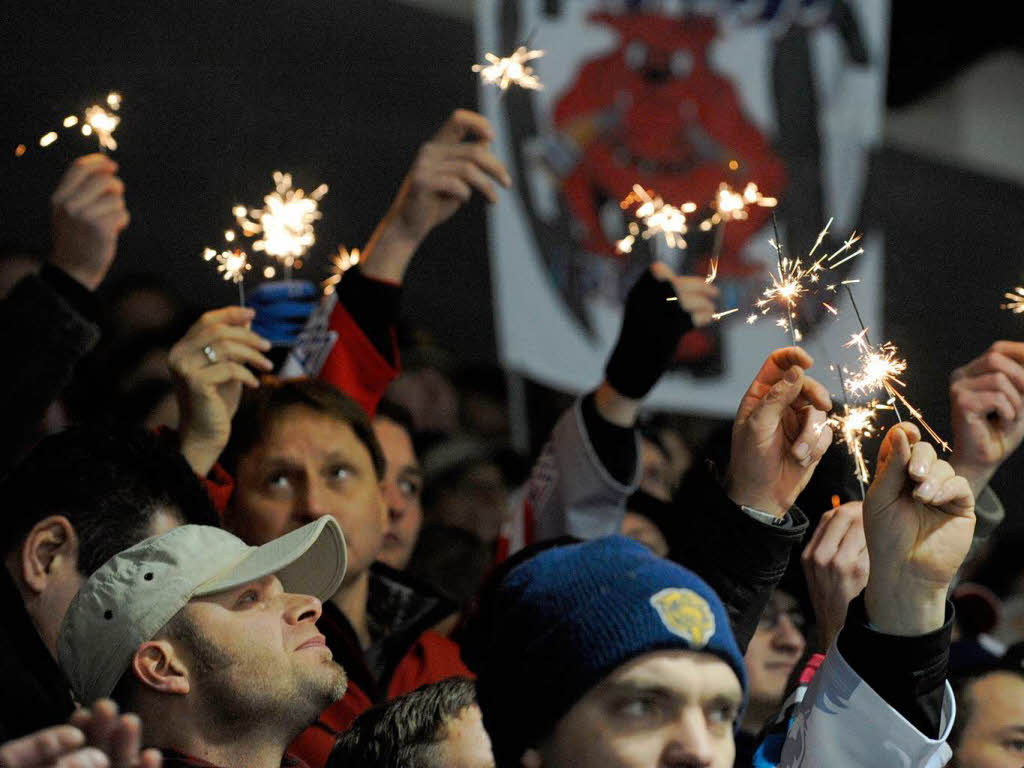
<point x="374" y="306"/>
<point x="80" y="298"/>
<point x="615" y="446"/>
<point x="908" y="672"/>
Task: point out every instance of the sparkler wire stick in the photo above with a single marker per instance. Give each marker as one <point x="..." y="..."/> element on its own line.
<point x="846" y="409"/>
<point x="867" y="339"/>
<point x="716" y="252"/>
<point x="782" y="273"/>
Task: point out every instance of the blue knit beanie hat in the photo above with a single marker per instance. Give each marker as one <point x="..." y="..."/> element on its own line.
<point x="565" y="619"/>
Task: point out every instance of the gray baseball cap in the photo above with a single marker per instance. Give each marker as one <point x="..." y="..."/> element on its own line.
<point x="134" y="594"/>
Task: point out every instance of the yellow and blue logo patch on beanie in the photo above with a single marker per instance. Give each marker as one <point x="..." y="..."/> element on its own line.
<point x="686" y="614"/>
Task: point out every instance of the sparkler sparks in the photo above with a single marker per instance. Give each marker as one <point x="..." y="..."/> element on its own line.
<point x="1015" y="300"/>
<point x="231" y="264"/>
<point x="341" y="263"/>
<point x="95" y="121"/>
<point x="511" y="70"/>
<point x="285" y="223"/>
<point x="658" y="218"/>
<point x="102" y="123"/>
<point x="881" y="369"/>
<point x="853" y="426"/>
<point x="720" y="315"/>
<point x="792" y="280"/>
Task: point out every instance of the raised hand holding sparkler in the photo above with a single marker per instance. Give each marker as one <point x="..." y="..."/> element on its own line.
<point x="88" y="215"/>
<point x="209" y="367"/>
<point x="779" y="434"/>
<point x="446" y="171"/>
<point x="987" y="402"/>
<point x="510" y="70"/>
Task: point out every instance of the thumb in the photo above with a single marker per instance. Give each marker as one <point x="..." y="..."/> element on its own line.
<point x="893" y="459"/>
<point x="768" y="413"/>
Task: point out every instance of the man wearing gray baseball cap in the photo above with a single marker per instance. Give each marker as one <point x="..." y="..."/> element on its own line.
<point x="212" y="642"/>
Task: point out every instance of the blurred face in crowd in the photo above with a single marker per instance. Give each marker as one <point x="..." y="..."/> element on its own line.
<point x="655" y="478"/>
<point x="47" y="572"/>
<point x="466" y="743"/>
<point x="993" y="736"/>
<point x="310" y="464"/>
<point x="775" y="649"/>
<point x="245" y="656"/>
<point x="403" y="489"/>
<point x="662" y="708"/>
<point x="642" y="529"/>
<point x="475" y="501"/>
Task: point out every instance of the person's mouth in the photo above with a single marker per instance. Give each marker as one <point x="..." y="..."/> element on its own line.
<point x="317" y="641"/>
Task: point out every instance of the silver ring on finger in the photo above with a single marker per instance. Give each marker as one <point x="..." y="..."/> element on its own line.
<point x="211" y="353"/>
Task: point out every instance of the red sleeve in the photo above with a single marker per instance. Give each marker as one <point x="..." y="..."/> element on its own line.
<point x="220" y="485"/>
<point x="355" y="366"/>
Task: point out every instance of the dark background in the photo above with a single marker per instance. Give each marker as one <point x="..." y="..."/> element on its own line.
<point x="218" y="95"/>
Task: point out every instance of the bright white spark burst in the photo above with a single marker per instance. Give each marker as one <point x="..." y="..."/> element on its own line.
<point x="285" y="222"/>
<point x="511" y="70"/>
<point x="853" y="426"/>
<point x="231" y="264"/>
<point x="730" y="205"/>
<point x="658" y="218"/>
<point x="341" y="263"/>
<point x="880" y="370"/>
<point x="792" y="280"/>
<point x="1015" y="300"/>
<point x="95" y="121"/>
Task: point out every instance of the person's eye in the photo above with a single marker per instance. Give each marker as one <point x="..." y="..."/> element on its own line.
<point x="1015" y="745"/>
<point x="639" y="707"/>
<point x="278" y="481"/>
<point x="340" y="472"/>
<point x="722" y="714"/>
<point x="249" y="597"/>
<point x="410" y="488"/>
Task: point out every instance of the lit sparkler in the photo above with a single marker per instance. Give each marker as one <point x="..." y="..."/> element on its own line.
<point x="96" y="121"/>
<point x="1014" y="300"/>
<point x="880" y="369"/>
<point x="285" y="222"/>
<point x="853" y="426"/>
<point x="730" y="205"/>
<point x="232" y="264"/>
<point x="341" y="263"/>
<point x="793" y="280"/>
<point x="658" y="218"/>
<point x="511" y="70"/>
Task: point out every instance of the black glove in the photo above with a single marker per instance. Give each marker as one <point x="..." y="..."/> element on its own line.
<point x="651" y="329"/>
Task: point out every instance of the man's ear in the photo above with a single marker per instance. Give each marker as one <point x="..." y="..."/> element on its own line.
<point x="531" y="759"/>
<point x="51" y="545"/>
<point x="158" y="667"/>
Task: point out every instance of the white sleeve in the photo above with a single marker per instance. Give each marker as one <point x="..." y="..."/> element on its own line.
<point x="843" y="722"/>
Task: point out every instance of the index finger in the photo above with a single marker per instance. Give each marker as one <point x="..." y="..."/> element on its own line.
<point x="42" y="747"/>
<point x="79" y="171"/>
<point x="780" y="361"/>
<point x="226" y="315"/>
<point x="694" y="285"/>
<point x="813" y="393"/>
<point x="461" y="122"/>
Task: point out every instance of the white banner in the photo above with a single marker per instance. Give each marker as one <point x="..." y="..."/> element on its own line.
<point x="789" y="96"/>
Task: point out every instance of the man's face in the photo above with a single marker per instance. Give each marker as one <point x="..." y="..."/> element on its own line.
<point x="994" y="734"/>
<point x="640" y="528"/>
<point x="655" y="478"/>
<point x="660" y="709"/>
<point x="257" y="656"/>
<point x="775" y="649"/>
<point x="403" y="489"/>
<point x="466" y="744"/>
<point x="308" y="465"/>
